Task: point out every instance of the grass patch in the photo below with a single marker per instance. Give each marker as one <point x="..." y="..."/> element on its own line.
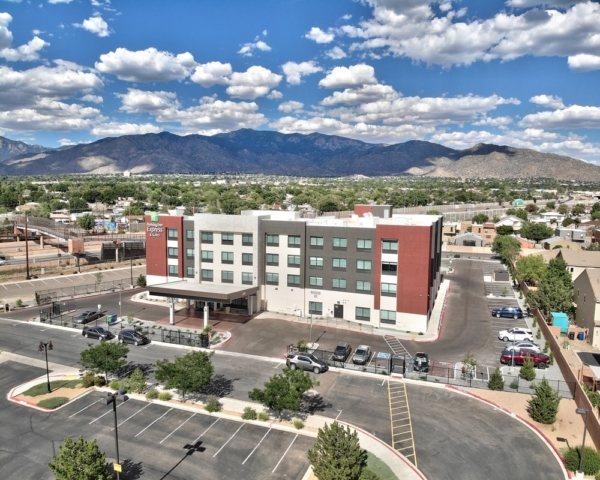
<point x="379" y="468"/>
<point x="53" y="403"/>
<point x="42" y="388"/>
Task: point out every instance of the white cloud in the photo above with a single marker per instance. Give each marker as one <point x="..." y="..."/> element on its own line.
<point x="59" y="1"/>
<point x="572" y="117"/>
<point x="248" y="48"/>
<point x="92" y="98"/>
<point x="6" y="36"/>
<point x="295" y="71"/>
<point x="349" y="77"/>
<point x="95" y="25"/>
<point x="550" y="101"/>
<point x="148" y="65"/>
<point x="212" y="73"/>
<point x="65" y="142"/>
<point x="28" y="52"/>
<point x="535" y="3"/>
<point x="290" y="106"/>
<point x="584" y="62"/>
<point x="362" y="95"/>
<point x="275" y="95"/>
<point x="116" y="129"/>
<point x="336" y="53"/>
<point x="319" y="36"/>
<point x="494" y="122"/>
<point x="255" y="82"/>
<point x="155" y="103"/>
<point x="346" y="17"/>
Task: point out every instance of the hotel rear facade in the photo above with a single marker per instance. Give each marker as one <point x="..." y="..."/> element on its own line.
<point x="374" y="267"/>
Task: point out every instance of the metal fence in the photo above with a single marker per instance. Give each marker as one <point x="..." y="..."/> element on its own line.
<point x="53" y="295"/>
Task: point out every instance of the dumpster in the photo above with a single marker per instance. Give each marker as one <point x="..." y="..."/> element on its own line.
<point x="571" y="335"/>
<point x="581" y="336"/>
<point x="111" y="318"/>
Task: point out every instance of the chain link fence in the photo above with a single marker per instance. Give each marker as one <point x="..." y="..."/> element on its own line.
<point x="54" y="295"/>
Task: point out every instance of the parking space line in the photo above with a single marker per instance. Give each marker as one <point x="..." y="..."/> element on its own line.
<point x="154" y="421"/>
<point x="104" y="414"/>
<point x="85" y="408"/>
<point x="200" y="436"/>
<point x="132" y="416"/>
<point x="228" y="440"/>
<point x="180" y="425"/>
<point x="256" y="446"/>
<point x="285" y="453"/>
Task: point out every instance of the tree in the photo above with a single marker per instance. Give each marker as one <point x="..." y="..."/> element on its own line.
<point x="517" y="212"/>
<point x="578" y="209"/>
<point x="563" y="209"/>
<point x="505" y="230"/>
<point x="506" y="247"/>
<point x="187" y="374"/>
<point x="531" y="269"/>
<point x="551" y="296"/>
<point x="558" y="268"/>
<point x="536" y="231"/>
<point x="87" y="222"/>
<point x="284" y="391"/>
<point x="480" y="218"/>
<point x="543" y="405"/>
<point x="141" y="280"/>
<point x="336" y="454"/>
<point x="568" y="221"/>
<point x="528" y="369"/>
<point x="594" y="247"/>
<point x="136" y="382"/>
<point x="80" y="460"/>
<point x="496" y="381"/>
<point x="531" y="208"/>
<point x="104" y="357"/>
<point x="551" y="205"/>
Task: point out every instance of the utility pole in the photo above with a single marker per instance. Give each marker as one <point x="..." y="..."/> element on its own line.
<point x="26" y="248"/>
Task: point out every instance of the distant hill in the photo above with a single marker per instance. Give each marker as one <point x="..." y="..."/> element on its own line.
<point x="250" y="151"/>
<point x="12" y="148"/>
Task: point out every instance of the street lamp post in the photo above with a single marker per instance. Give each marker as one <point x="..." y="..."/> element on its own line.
<point x="582" y="411"/>
<point x="114" y="398"/>
<point x="26" y="248"/>
<point x="45" y="346"/>
<point x="130" y="264"/>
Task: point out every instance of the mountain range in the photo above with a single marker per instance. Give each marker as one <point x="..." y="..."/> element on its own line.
<point x="267" y="152"/>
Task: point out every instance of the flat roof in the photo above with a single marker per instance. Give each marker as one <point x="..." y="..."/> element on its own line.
<point x="202" y="291"/>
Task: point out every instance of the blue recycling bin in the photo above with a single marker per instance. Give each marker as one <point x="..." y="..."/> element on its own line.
<point x="111" y="318"/>
<point x="581" y="336"/>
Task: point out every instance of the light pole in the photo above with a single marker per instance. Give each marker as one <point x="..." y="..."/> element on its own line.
<point x="114" y="398"/>
<point x="45" y="346"/>
<point x="130" y="264"/>
<point x="582" y="411"/>
<point x="26" y="248"/>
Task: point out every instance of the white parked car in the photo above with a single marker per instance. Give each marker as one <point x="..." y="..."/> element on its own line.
<point x="515" y="334"/>
<point x="526" y="345"/>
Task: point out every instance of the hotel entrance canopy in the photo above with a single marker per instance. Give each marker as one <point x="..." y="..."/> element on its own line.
<point x="202" y="291"/>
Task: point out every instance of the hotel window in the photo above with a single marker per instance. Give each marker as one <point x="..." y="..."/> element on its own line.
<point x="294" y="261"/>
<point x="272" y="279"/>
<point x="362" y="286"/>
<point x="293" y="280"/>
<point x="227" y="239"/>
<point x="172" y="233"/>
<point x="172" y="252"/>
<point x="316" y="242"/>
<point x="389" y="268"/>
<point x="206" y="237"/>
<point x="316" y="282"/>
<point x="226" y="276"/>
<point x="389" y="246"/>
<point x="364" y="245"/>
<point x="272" y="240"/>
<point x="247" y="239"/>
<point x="207" y="256"/>
<point x="388" y="316"/>
<point x="246" y="278"/>
<point x="189" y="253"/>
<point x="173" y="270"/>
<point x="247" y="259"/>
<point x="388" y="289"/>
<point x="363" y="313"/>
<point x="273" y="259"/>
<point x="363" y="265"/>
<point x="294" y="241"/>
<point x="315" y="308"/>
<point x="189" y="234"/>
<point x="316" y="262"/>
<point x="227" y="257"/>
<point x="339" y="264"/>
<point x="340" y="243"/>
<point x="338" y="284"/>
<point x="189" y="272"/>
<point x="207" y="275"/>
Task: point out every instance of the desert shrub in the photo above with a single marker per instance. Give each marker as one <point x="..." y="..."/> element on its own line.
<point x="299" y="424"/>
<point x="88" y="380"/>
<point x="496" y="381"/>
<point x="53" y="403"/>
<point x="591" y="460"/>
<point x="213" y="404"/>
<point x="99" y="381"/>
<point x="116" y="385"/>
<point x="249" y="414"/>
<point x="538" y="335"/>
<point x="514" y="384"/>
<point x="152" y="394"/>
<point x="165" y="396"/>
<point x="528" y="369"/>
<point x="19" y="302"/>
<point x="263" y="416"/>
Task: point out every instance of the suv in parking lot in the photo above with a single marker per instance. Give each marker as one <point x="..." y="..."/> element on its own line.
<point x="305" y="361"/>
<point x="508" y="312"/>
<point x="516" y="346"/>
<point x="540" y="360"/>
<point x="342" y="351"/>
<point x="86" y="316"/>
<point x="362" y="354"/>
<point x="515" y="334"/>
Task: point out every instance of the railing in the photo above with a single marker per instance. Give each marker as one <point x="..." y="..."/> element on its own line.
<point x="49" y="227"/>
<point x="53" y="295"/>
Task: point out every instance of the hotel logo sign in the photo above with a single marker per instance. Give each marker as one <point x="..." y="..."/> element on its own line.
<point x="155" y="229"/>
<point x="154" y="216"/>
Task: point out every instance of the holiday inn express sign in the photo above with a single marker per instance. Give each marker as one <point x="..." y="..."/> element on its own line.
<point x="155" y="229"/>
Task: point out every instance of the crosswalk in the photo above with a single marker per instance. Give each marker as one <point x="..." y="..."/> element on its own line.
<point x="402" y="432"/>
<point x="396" y="346"/>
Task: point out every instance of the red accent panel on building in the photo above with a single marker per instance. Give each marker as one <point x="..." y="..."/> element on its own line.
<point x="360" y="210"/>
<point x="414" y="266"/>
<point x="156" y="244"/>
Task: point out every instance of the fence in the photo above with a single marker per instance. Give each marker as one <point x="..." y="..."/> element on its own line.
<point x="57" y="294"/>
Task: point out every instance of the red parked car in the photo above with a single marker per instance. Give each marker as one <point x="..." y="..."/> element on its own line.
<point x="540" y="360"/>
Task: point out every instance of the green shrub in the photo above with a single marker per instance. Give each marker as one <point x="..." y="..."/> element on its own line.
<point x="496" y="381"/>
<point x="263" y="416"/>
<point x="367" y="474"/>
<point x="535" y="321"/>
<point x="551" y="358"/>
<point x="249" y="414"/>
<point x="538" y="335"/>
<point x="546" y="346"/>
<point x="136" y="382"/>
<point x="152" y="394"/>
<point x="116" y="385"/>
<point x="591" y="460"/>
<point x="514" y="384"/>
<point x="213" y="404"/>
<point x="543" y="406"/>
<point x="53" y="403"/>
<point x="165" y="396"/>
<point x="299" y="424"/>
<point x="528" y="369"/>
<point x="19" y="302"/>
<point x="99" y="381"/>
<point x="42" y="388"/>
<point x="88" y="380"/>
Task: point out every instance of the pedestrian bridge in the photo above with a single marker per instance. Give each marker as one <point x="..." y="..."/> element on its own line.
<point x="47" y="227"/>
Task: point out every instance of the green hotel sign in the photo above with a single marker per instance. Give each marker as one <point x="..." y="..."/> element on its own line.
<point x="154" y="216"/>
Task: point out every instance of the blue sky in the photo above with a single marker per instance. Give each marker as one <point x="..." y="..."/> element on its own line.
<point x="454" y="72"/>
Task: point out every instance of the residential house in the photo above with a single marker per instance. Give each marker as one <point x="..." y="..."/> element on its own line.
<point x="572" y="234"/>
<point x="586" y="294"/>
<point x="510" y="221"/>
<point x="579" y="260"/>
<point x="449" y="231"/>
<point x="559" y="242"/>
<point x="487" y="231"/>
<point x="469" y="239"/>
<point x="525" y="243"/>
